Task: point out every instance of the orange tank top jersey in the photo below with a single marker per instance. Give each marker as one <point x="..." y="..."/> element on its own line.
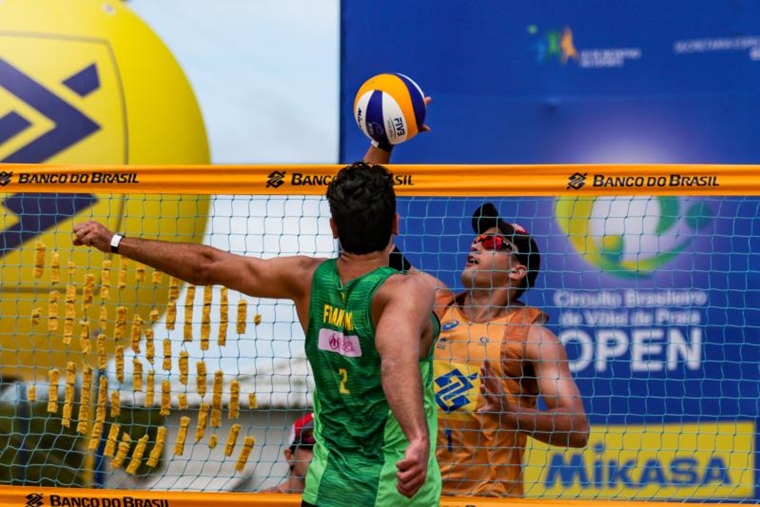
<point x="476" y="456"/>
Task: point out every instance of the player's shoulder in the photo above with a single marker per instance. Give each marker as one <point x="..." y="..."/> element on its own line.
<point x="542" y="343"/>
<point x="408" y="282"/>
<point x="402" y="287"/>
<point x="303" y="263"/>
<point x="297" y="271"/>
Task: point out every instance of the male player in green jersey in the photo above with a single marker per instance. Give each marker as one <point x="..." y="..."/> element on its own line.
<point x="370" y="336"/>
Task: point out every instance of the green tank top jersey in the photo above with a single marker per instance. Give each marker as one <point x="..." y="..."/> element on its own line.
<point x="358" y="439"/>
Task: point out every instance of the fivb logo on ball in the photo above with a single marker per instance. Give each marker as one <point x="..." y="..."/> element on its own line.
<point x="631" y="236"/>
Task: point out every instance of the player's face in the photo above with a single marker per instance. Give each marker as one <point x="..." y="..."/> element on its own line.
<point x="490" y="261"/>
<point x="301" y="458"/>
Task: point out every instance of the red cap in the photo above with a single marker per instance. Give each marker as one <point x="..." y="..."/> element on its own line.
<point x="301" y="433"/>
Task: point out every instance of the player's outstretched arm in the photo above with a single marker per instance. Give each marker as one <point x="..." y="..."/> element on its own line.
<point x="285" y="277"/>
<point x="402" y="337"/>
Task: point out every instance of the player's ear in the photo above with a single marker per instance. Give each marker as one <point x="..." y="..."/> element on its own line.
<point x="394" y="229"/>
<point x="334" y="228"/>
<point x="517" y="273"/>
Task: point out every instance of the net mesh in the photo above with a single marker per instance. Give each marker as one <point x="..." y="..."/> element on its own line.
<point x="116" y="375"/>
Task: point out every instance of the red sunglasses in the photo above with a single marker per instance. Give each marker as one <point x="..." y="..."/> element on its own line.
<point x="495" y="242"/>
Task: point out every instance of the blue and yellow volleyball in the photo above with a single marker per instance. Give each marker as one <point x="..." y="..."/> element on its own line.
<point x="390" y="108"/>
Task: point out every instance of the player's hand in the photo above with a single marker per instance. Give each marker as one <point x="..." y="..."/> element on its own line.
<point x="93" y="234"/>
<point x="412" y="470"/>
<point x="377" y="155"/>
<point x="496" y="403"/>
<point x="426" y="128"/>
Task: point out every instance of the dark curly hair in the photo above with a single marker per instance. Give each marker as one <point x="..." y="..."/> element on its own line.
<point x="363" y="206"/>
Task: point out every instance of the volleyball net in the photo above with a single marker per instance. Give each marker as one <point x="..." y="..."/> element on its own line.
<point x="118" y="377"/>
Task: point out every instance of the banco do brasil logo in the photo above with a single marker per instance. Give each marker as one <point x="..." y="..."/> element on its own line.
<point x="34" y="500"/>
<point x="576" y="181"/>
<point x="631" y="236"/>
<point x="5" y="178"/>
<point x="275" y="179"/>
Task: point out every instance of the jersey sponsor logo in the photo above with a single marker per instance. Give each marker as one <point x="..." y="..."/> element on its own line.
<point x="448" y="326"/>
<point x="335" y="341"/>
<point x="457" y="387"/>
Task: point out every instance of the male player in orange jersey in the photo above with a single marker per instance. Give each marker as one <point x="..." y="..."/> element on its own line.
<point x="494" y="360"/>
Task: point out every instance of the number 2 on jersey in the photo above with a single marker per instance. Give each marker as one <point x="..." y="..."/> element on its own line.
<point x="343" y="379"/>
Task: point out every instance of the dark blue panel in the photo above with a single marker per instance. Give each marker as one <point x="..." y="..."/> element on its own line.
<point x="593" y="81"/>
<point x="666" y="82"/>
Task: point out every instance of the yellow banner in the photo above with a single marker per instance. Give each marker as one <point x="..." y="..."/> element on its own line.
<point x="663" y="462"/>
<point x="411" y="180"/>
<point x="19" y="496"/>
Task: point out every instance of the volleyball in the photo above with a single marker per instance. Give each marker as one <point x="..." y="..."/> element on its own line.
<point x="390" y="108"/>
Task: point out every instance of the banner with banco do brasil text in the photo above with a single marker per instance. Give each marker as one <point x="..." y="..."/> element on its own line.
<point x="414" y="180"/>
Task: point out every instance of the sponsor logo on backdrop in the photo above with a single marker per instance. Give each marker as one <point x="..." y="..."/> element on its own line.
<point x="642" y="330"/>
<point x="656" y="461"/>
<point x="749" y="44"/>
<point x="560" y="45"/>
<point x="71" y="125"/>
<point x="628" y="238"/>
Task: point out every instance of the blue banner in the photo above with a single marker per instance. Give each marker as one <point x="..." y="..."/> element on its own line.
<point x="656" y="299"/>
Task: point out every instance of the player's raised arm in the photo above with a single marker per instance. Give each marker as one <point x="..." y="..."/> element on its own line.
<point x="563" y="422"/>
<point x="284" y="277"/>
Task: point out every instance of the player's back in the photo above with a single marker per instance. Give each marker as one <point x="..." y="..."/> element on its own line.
<point x="358" y="439"/>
